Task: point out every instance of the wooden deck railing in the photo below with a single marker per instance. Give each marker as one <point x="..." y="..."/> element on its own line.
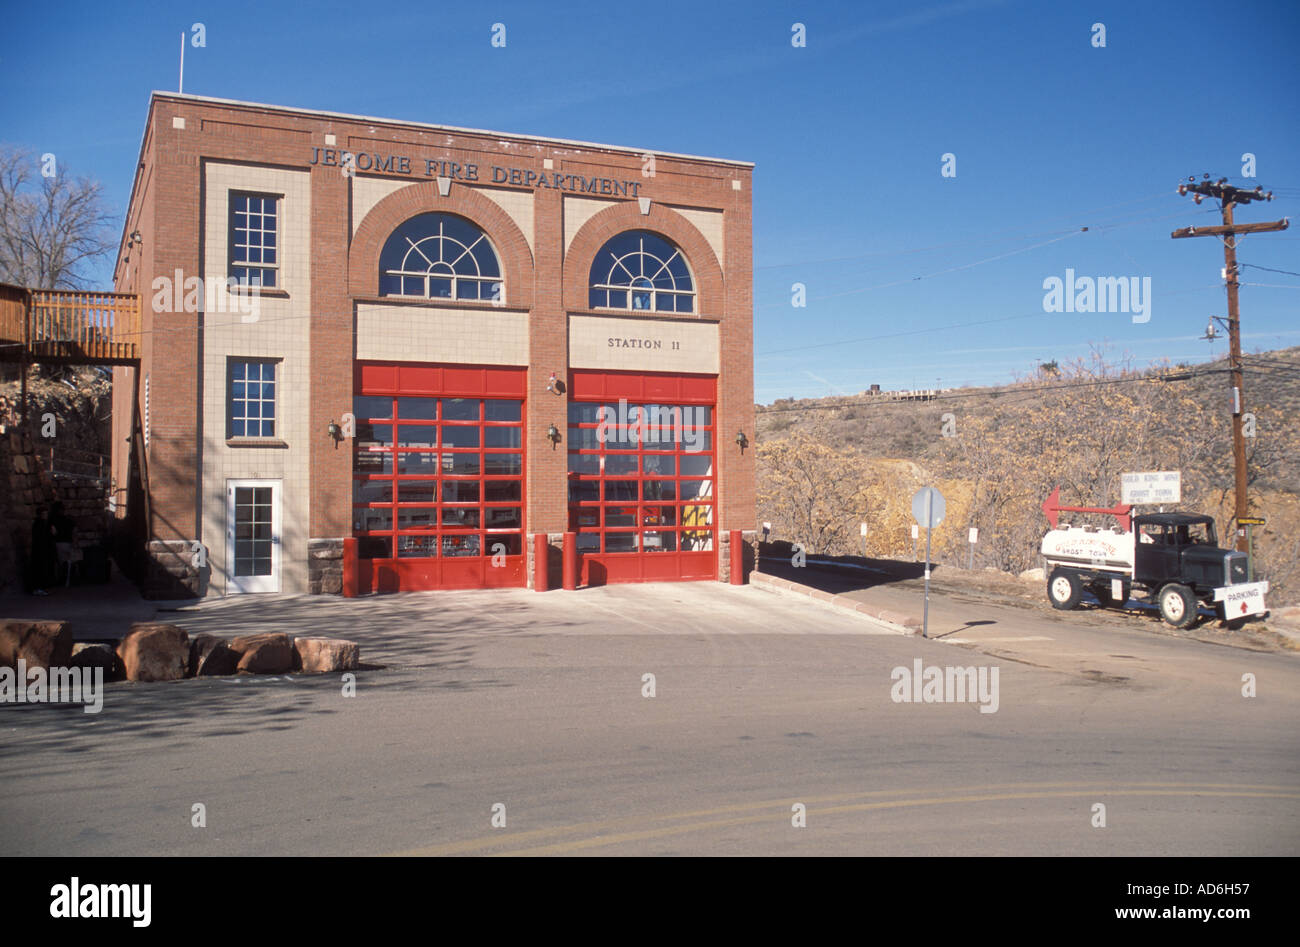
<point x="13" y="317"/>
<point x="77" y="326"/>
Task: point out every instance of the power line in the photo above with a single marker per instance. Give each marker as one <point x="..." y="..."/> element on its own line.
<point x="993" y="237"/>
<point x="1006" y="394"/>
<point x="895" y="335"/>
<point x="956" y="325"/>
<point x="1273" y="358"/>
<point x="1256" y="266"/>
<point x="907" y="250"/>
<point x="913" y="279"/>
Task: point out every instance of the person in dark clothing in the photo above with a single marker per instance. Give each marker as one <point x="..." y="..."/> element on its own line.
<point x="61" y="523"/>
<point x="44" y="558"/>
<point x="63" y="528"/>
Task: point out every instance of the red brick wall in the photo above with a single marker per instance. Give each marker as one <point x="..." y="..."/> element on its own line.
<point x="167" y="212"/>
<point x="548" y="349"/>
<point x="171" y="358"/>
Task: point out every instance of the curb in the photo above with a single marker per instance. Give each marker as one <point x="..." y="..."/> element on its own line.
<point x="897" y="622"/>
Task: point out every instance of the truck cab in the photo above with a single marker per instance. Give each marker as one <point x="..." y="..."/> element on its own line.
<point x="1182" y="547"/>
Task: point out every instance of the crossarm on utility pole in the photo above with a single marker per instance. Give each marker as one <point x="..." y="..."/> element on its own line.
<point x="1272" y="225"/>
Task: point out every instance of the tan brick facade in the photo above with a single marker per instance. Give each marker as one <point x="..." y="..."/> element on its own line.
<point x="546" y="206"/>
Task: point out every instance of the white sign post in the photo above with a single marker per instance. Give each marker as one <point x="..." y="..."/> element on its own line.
<point x="973" y="538"/>
<point x="928" y="506"/>
<point x="1151" y="487"/>
<point x="863" y="527"/>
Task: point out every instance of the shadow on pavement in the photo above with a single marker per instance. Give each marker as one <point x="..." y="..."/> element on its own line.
<point x="843" y="574"/>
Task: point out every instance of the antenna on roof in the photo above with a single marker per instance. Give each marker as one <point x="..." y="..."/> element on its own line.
<point x="180" y="86"/>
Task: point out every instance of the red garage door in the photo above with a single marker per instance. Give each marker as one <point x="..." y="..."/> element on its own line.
<point x="642" y="476"/>
<point x="438" y="476"/>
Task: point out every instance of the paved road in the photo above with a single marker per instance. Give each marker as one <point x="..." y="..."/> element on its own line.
<point x="763" y="701"/>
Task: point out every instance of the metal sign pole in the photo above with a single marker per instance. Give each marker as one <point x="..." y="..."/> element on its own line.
<point x="928" y="508"/>
<point x="929" y="518"/>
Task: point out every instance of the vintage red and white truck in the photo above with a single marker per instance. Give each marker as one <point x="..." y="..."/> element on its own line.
<point x="1172" y="559"/>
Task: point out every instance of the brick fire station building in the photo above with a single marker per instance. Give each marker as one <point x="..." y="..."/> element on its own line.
<point x="436" y="342"/>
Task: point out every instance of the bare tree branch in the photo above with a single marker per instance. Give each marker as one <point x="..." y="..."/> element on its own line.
<point x="50" y="227"/>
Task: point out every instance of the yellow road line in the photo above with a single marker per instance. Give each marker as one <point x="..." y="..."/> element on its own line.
<point x="1073" y="789"/>
<point x="562" y="848"/>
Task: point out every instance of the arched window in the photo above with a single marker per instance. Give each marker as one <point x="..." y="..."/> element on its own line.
<point x="640" y="270"/>
<point x="439" y="256"/>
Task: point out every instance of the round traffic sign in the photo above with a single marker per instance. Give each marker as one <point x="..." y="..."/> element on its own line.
<point x="928" y="507"/>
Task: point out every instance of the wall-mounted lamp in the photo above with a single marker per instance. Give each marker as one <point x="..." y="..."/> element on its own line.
<point x="335" y="432"/>
<point x="742" y="441"/>
<point x="555" y="386"/>
<point x="134" y="238"/>
<point x="553" y="435"/>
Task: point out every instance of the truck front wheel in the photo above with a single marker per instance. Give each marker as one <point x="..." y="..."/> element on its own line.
<point x="1178" y="605"/>
<point x="1064" y="589"/>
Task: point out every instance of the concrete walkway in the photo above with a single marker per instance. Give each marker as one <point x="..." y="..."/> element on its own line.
<point x="93" y="612"/>
<point x="415" y="629"/>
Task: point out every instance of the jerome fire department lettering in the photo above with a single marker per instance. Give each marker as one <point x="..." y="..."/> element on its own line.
<point x="437" y="167"/>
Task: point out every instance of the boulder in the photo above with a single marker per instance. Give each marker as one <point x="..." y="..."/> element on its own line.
<point x="317" y="655"/>
<point x="154" y="651"/>
<point x="1033" y="575"/>
<point x="39" y="643"/>
<point x="211" y="656"/>
<point x="87" y="655"/>
<point x="269" y="653"/>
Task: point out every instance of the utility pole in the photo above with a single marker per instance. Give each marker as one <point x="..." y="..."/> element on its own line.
<point x="1229" y="196"/>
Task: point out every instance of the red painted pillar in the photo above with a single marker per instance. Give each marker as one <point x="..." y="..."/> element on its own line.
<point x="737" y="557"/>
<point x="570" y="561"/>
<point x="540" y="550"/>
<point x="350" y="567"/>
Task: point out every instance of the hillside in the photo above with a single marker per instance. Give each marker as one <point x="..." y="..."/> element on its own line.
<point x="827" y="464"/>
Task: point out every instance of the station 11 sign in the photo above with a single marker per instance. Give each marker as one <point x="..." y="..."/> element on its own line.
<point x="1155" y="486"/>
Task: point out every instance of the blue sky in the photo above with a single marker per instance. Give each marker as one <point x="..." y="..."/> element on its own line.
<point x="912" y="279"/>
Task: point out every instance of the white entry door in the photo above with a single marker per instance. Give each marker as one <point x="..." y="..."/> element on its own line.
<point x="253" y="535"/>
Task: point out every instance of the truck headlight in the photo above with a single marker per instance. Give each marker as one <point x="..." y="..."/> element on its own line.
<point x="1234" y="568"/>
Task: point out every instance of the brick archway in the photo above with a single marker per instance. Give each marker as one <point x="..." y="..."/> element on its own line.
<point x="422" y="198"/>
<point x="617" y="218"/>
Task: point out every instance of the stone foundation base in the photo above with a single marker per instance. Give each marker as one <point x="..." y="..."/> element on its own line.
<point x="325" y="566"/>
<point x="170" y="572"/>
